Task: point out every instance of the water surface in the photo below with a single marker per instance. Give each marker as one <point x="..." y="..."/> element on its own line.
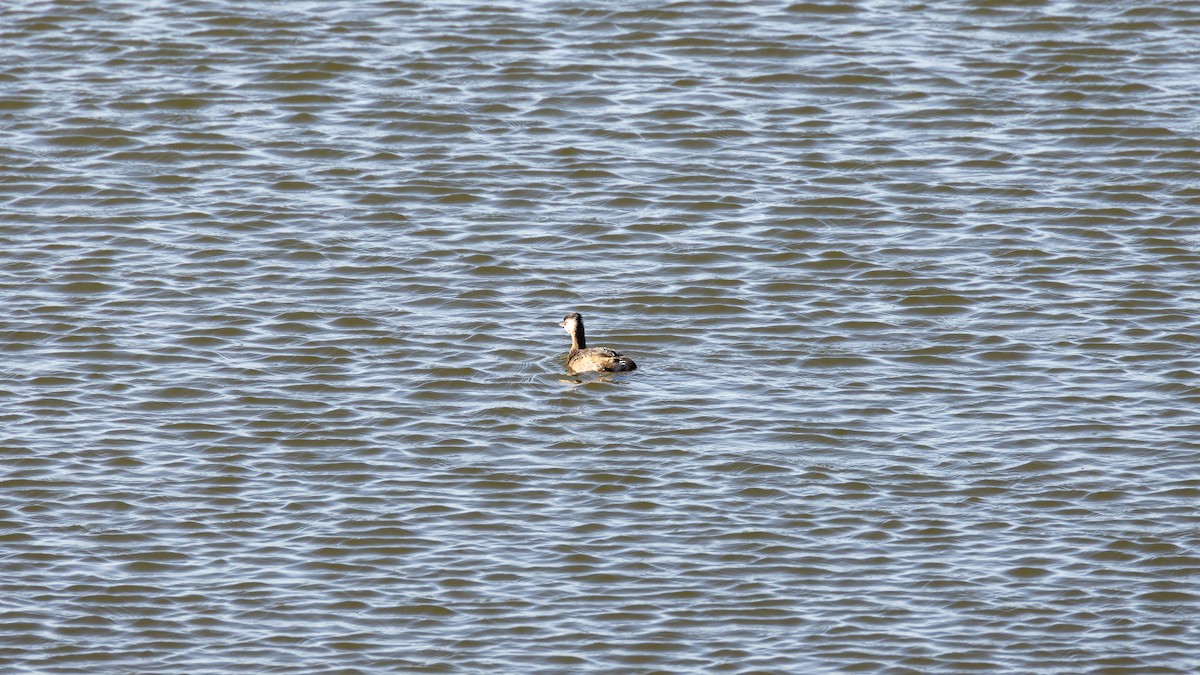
<point x="911" y="286"/>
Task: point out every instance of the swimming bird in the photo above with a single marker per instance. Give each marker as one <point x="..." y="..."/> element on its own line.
<point x="582" y="359"/>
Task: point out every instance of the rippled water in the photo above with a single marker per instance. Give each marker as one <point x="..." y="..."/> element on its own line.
<point x="912" y="288"/>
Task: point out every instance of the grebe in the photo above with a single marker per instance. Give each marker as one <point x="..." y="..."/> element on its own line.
<point x="582" y="358"/>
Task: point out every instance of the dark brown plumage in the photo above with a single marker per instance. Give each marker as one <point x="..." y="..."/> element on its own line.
<point x="582" y="359"/>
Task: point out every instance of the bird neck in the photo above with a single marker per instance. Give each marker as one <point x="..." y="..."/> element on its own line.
<point x="578" y="341"/>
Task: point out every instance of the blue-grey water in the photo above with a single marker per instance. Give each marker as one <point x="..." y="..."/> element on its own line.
<point x="913" y="289"/>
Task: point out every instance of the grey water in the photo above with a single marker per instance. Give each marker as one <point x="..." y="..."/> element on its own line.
<point x="912" y="288"/>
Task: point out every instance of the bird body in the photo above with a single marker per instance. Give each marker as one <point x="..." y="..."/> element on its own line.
<point x="582" y="359"/>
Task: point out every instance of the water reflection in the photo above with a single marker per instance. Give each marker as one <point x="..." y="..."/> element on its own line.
<point x="916" y="381"/>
